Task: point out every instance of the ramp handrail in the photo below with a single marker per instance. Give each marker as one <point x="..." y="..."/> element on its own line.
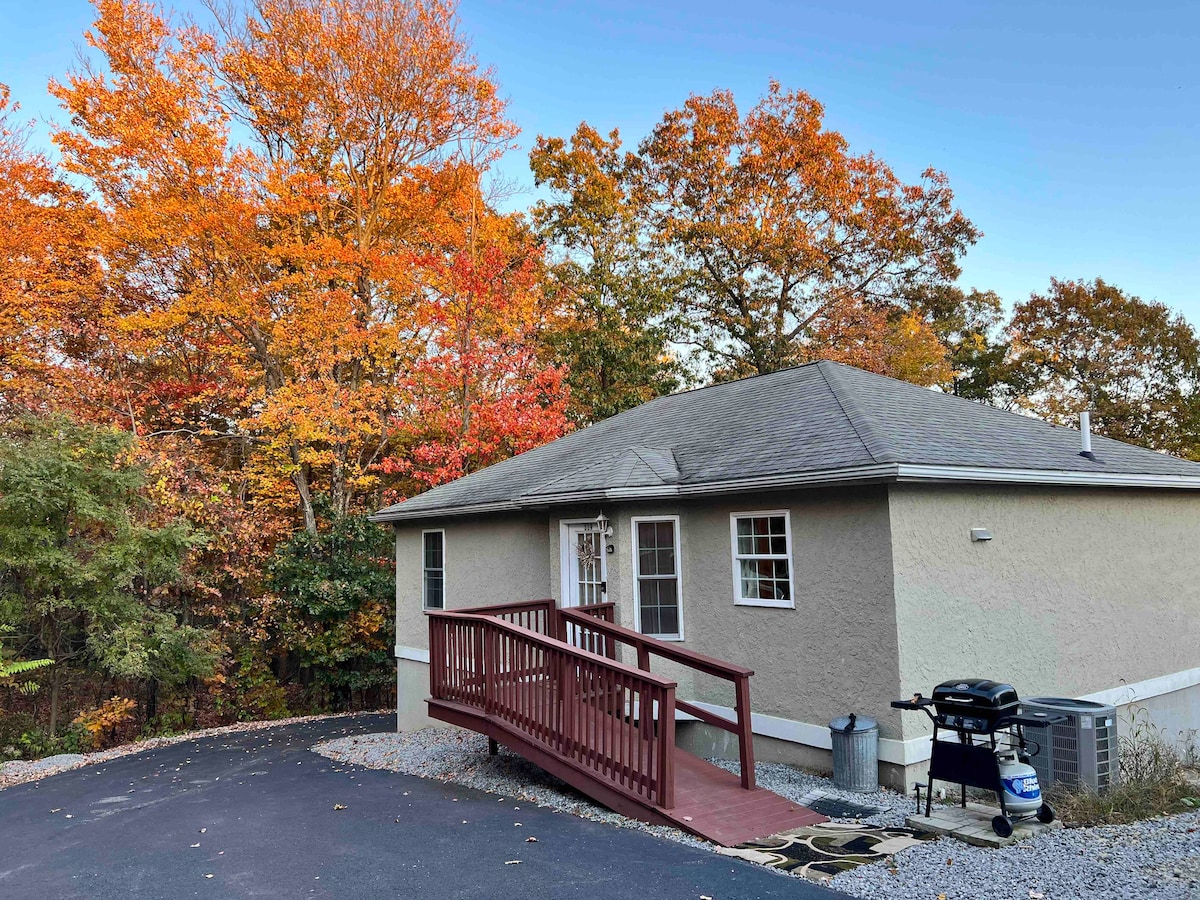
<point x="589" y="627"/>
<point x="591" y="711"/>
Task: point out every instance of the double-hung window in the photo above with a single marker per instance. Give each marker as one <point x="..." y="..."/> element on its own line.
<point x="762" y="558"/>
<point x="656" y="577"/>
<point x="433" y="566"/>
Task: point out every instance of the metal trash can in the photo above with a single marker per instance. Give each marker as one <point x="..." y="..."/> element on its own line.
<point x="855" y="753"/>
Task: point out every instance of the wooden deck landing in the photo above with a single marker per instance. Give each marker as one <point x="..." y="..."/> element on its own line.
<point x="711" y="803"/>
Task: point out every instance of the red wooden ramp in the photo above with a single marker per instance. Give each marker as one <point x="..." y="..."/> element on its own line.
<point x="547" y="684"/>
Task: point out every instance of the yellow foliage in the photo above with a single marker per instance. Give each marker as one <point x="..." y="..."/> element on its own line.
<point x="102" y="721"/>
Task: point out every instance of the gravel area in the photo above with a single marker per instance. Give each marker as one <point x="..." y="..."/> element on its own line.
<point x="462" y="757"/>
<point x="793" y="783"/>
<point x="1160" y="857"/>
<point x="19" y="771"/>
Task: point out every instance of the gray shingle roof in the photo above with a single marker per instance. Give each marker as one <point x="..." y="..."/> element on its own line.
<point x="820" y="422"/>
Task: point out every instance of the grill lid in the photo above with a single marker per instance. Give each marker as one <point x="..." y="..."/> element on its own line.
<point x="976" y="693"/>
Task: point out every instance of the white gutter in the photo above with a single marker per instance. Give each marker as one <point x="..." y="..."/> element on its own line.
<point x="1046" y="476"/>
<point x="819" y="478"/>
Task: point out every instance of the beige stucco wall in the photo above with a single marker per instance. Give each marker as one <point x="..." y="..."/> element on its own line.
<point x="499" y="559"/>
<point x="834" y="653"/>
<point x="494" y="560"/>
<point x="1079" y="591"/>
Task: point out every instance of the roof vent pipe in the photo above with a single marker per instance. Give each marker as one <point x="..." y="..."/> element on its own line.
<point x="1085" y="435"/>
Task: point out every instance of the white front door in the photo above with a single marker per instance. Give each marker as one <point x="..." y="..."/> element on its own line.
<point x="584" y="564"/>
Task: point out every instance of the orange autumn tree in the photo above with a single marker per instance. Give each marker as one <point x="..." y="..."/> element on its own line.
<point x="280" y="188"/>
<point x="48" y="270"/>
<point x="482" y="393"/>
<point x="782" y="238"/>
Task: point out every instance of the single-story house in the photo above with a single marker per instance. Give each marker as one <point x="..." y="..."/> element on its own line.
<point x="851" y="538"/>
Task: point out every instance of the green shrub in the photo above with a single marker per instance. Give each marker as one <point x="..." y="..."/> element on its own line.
<point x="22" y="738"/>
<point x="257" y="694"/>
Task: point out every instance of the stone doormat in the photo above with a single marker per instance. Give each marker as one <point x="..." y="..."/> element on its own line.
<point x="973" y="825"/>
<point x="821" y="851"/>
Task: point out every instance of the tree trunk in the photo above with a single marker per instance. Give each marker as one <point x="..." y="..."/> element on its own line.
<point x="300" y="479"/>
<point x="151" y="700"/>
<point x="55" y="685"/>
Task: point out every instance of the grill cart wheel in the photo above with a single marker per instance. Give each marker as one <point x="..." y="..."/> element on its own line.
<point x="1002" y="826"/>
<point x="1046" y="814"/>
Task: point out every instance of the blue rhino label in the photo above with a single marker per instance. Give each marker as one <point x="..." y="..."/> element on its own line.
<point x="1024" y="786"/>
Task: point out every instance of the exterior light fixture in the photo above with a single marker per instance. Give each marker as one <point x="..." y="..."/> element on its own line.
<point x="980" y="534"/>
<point x="603" y="526"/>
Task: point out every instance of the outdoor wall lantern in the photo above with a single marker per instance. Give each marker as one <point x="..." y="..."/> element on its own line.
<point x="603" y="526"/>
<point x="980" y="534"/>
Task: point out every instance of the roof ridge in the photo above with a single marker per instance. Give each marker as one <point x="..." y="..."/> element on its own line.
<point x="716" y="384"/>
<point x="877" y="447"/>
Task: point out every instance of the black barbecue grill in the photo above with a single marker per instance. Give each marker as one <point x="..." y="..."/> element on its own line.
<point x="975" y="706"/>
<point x="982" y="717"/>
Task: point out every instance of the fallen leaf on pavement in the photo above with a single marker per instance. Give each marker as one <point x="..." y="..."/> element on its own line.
<point x="512" y="862"/>
<point x="338" y="806"/>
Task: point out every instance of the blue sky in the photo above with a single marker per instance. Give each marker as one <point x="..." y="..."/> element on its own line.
<point x="1070" y="130"/>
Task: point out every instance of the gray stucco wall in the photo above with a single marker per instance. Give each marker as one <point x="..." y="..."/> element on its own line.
<point x="834" y="653"/>
<point x="495" y="560"/>
<point x="1080" y="590"/>
<point x="499" y="559"/>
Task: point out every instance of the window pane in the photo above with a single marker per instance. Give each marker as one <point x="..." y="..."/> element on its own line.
<point x="665" y="533"/>
<point x="745" y="542"/>
<point x="779" y="545"/>
<point x="433" y="550"/>
<point x="645" y="534"/>
<point x="743" y="527"/>
<point x="658" y="599"/>
<point x="647" y="560"/>
<point x="434" y="594"/>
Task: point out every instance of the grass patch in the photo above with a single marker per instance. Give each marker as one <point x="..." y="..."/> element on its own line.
<point x="1154" y="780"/>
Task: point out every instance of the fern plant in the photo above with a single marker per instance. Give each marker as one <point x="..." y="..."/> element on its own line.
<point x="12" y="669"/>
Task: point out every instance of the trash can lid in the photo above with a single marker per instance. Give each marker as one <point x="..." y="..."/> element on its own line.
<point x="861" y="723"/>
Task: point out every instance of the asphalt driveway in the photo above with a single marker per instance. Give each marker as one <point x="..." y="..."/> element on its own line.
<point x="255" y="814"/>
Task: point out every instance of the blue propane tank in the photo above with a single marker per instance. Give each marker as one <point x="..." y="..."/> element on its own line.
<point x="1022" y="793"/>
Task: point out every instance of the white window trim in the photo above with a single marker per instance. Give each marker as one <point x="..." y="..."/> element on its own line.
<point x="424" y="598"/>
<point x="634" y="521"/>
<point x="738" y="599"/>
